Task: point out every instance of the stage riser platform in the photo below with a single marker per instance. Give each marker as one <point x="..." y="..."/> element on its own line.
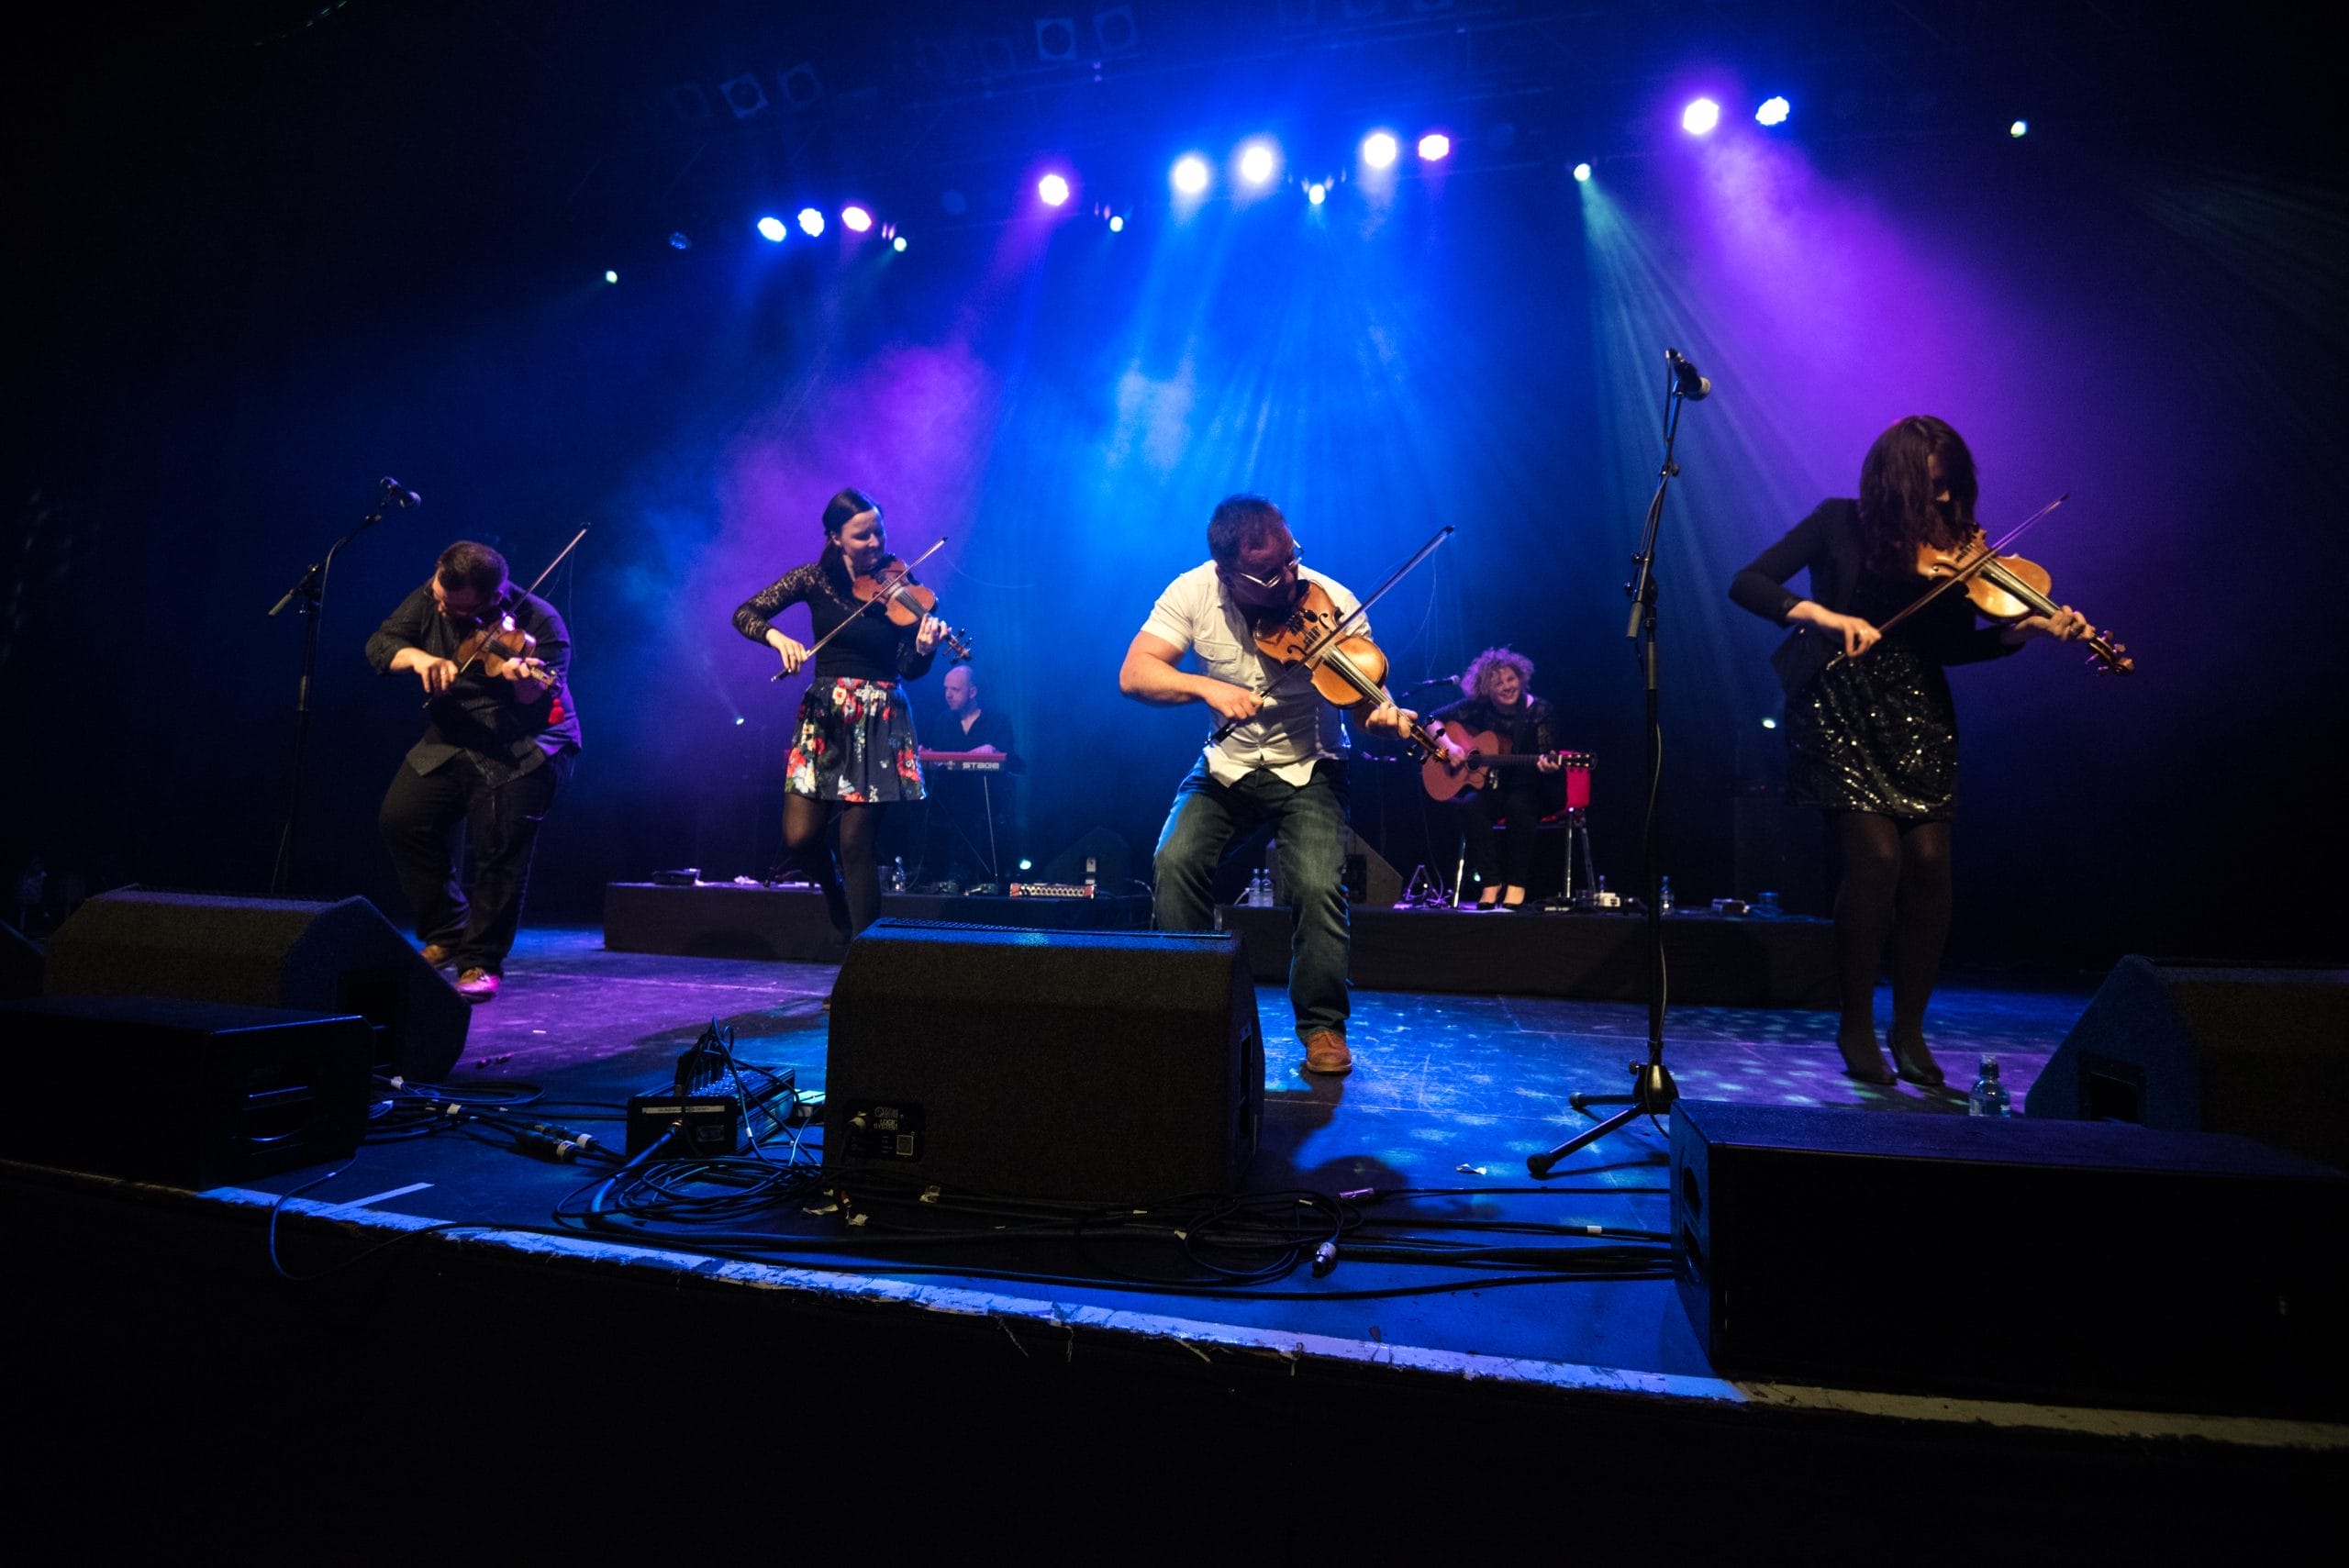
<point x="1712" y="960"/>
<point x="719" y="920"/>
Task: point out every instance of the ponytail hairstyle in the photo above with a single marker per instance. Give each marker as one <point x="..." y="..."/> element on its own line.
<point x="850" y="503"/>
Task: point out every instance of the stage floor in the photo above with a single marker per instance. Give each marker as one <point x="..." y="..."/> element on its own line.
<point x="1449" y="1097"/>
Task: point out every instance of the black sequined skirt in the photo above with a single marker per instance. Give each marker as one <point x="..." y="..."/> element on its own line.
<point x="1878" y="733"/>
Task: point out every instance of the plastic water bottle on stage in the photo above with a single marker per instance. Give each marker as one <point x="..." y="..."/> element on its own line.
<point x="1664" y="902"/>
<point x="1989" y="1096"/>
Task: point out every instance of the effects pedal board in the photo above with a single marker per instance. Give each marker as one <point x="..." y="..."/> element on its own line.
<point x="1051" y="890"/>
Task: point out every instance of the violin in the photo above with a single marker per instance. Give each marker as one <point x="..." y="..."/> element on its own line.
<point x="498" y="646"/>
<point x="905" y="601"/>
<point x="1348" y="670"/>
<point x="2007" y="588"/>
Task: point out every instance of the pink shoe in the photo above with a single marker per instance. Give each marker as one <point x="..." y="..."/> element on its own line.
<point x="477" y="985"/>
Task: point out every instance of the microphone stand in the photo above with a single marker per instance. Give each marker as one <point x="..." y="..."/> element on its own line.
<point x="1652" y="1090"/>
<point x="307" y="598"/>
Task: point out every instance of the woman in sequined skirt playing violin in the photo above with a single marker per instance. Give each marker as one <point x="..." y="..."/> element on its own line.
<point x="1872" y="741"/>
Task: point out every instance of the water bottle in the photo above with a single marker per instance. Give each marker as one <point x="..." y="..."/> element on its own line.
<point x="1989" y="1096"/>
<point x="897" y="875"/>
<point x="1664" y="895"/>
<point x="1092" y="873"/>
<point x="1259" y="890"/>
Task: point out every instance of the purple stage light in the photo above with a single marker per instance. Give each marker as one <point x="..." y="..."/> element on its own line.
<point x="856" y="217"/>
<point x="771" y="229"/>
<point x="1699" y="117"/>
<point x="1052" y="189"/>
<point x="1434" y="146"/>
<point x="812" y="222"/>
<point x="1378" y="149"/>
<point x="1774" y="111"/>
<point x="1190" y="174"/>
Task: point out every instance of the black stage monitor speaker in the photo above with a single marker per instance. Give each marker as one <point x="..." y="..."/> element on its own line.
<point x="266" y="952"/>
<point x="1078" y="1067"/>
<point x="2259" y="1051"/>
<point x="2012" y="1259"/>
<point x="162" y="1089"/>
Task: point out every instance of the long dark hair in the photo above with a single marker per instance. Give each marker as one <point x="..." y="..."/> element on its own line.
<point x="1898" y="513"/>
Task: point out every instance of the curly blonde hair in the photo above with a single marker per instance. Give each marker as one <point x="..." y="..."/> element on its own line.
<point x="1480" y="669"/>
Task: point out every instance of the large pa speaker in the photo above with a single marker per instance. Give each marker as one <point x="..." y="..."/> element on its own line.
<point x="162" y="1089"/>
<point x="1078" y="1067"/>
<point x="266" y="952"/>
<point x="2013" y="1259"/>
<point x="2259" y="1051"/>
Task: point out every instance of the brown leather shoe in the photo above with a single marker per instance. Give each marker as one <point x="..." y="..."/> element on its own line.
<point x="1325" y="1051"/>
<point x="436" y="955"/>
<point x="477" y="985"/>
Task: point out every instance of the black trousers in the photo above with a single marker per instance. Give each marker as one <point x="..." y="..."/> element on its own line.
<point x="1515" y="794"/>
<point x="419" y="820"/>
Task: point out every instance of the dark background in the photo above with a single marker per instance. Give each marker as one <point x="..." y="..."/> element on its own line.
<point x="267" y="255"/>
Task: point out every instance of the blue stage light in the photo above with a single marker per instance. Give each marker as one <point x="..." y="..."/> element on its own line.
<point x="897" y="243"/>
<point x="1117" y="223"/>
<point x="1434" y="146"/>
<point x="1700" y="116"/>
<point x="611" y="277"/>
<point x="1774" y="111"/>
<point x="812" y="222"/>
<point x="1379" y="149"/>
<point x="1582" y="173"/>
<point x="1191" y="174"/>
<point x="2018" y="129"/>
<point x="681" y="241"/>
<point x="1257" y="161"/>
<point x="1052" y="189"/>
<point x="856" y="217"/>
<point x="1317" y="193"/>
<point x="772" y="229"/>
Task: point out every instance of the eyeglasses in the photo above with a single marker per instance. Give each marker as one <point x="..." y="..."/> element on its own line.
<point x="1278" y="579"/>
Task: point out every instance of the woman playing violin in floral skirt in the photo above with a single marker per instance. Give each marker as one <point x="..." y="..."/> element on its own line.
<point x="853" y="750"/>
<point x="1872" y="741"/>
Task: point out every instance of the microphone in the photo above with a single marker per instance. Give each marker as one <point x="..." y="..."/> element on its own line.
<point x="1692" y="386"/>
<point x="399" y="498"/>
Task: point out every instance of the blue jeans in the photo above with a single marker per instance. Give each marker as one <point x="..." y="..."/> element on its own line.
<point x="1309" y="822"/>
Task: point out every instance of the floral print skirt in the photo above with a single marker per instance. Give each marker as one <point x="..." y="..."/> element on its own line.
<point x="855" y="742"/>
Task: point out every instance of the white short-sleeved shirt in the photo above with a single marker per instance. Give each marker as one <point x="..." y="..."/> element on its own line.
<point x="1296" y="727"/>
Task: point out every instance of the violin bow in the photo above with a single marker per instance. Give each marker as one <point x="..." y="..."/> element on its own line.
<point x="1990" y="553"/>
<point x="1339" y="630"/>
<point x="904" y="569"/>
<point x="542" y="577"/>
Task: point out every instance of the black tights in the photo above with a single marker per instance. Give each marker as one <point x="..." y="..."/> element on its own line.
<point x="1894" y="883"/>
<point x="858" y="904"/>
